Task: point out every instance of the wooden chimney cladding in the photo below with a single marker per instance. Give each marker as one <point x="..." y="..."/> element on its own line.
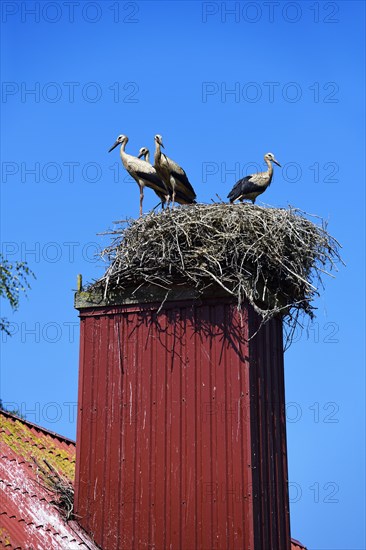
<point x="181" y="428"/>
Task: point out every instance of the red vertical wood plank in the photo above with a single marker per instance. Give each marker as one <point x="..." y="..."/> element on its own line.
<point x="84" y="432"/>
<point x="88" y="429"/>
<point x="95" y="428"/>
<point x="200" y="426"/>
<point x="160" y="469"/>
<point x="249" y="436"/>
<point x="184" y="442"/>
<point x="101" y="427"/>
<point x="144" y="432"/>
<point x="189" y="527"/>
<point x="276" y="432"/>
<point x="154" y="361"/>
<point x="281" y="418"/>
<point x="81" y="420"/>
<point x="235" y="382"/>
<point x="221" y="444"/>
<point x="128" y="489"/>
<point x="270" y="456"/>
<point x="256" y="430"/>
<point x="113" y="449"/>
<point x="170" y="341"/>
<point x="174" y="429"/>
<point x="209" y="483"/>
<point x="119" y="390"/>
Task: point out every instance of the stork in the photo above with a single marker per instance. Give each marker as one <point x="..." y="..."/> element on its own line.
<point x="252" y="186"/>
<point x="142" y="172"/>
<point x="163" y="196"/>
<point x="180" y="197"/>
<point x="173" y="175"/>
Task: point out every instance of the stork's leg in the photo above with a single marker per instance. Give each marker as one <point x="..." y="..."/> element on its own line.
<point x="141" y="198"/>
<point x="172" y="185"/>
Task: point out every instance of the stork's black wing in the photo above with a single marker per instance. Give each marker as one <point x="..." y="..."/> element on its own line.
<point x="243" y="187"/>
<point x="153" y="181"/>
<point x="184" y="181"/>
<point x="182" y="198"/>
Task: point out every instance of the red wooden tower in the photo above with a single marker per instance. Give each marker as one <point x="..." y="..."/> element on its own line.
<point x="181" y="426"/>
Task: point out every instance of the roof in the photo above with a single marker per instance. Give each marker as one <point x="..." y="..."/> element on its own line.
<point x="296" y="545"/>
<point x="28" y="519"/>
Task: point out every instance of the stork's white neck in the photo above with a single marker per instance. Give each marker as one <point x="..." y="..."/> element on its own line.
<point x="270" y="167"/>
<point x="122" y="153"/>
<point x="157" y="154"/>
<point x="147" y="156"/>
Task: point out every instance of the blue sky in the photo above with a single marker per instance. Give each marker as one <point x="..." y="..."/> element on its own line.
<point x="223" y="88"/>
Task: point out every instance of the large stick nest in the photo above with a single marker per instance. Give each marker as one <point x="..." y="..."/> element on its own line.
<point x="272" y="257"/>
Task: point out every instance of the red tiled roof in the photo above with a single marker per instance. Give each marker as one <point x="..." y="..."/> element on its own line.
<point x="27" y="517"/>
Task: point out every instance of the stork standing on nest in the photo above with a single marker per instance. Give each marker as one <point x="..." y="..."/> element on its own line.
<point x="252" y="186"/>
<point x="142" y="172"/>
<point x="173" y="175"/>
<point x="163" y="196"/>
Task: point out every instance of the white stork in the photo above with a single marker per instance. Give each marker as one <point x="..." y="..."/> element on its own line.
<point x="252" y="186"/>
<point x="142" y="172"/>
<point x="173" y="175"/>
<point x="163" y="196"/>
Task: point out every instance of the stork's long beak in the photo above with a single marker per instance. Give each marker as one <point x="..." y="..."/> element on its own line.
<point x="276" y="162"/>
<point x="113" y="146"/>
<point x="161" y="143"/>
<point x="140" y="155"/>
